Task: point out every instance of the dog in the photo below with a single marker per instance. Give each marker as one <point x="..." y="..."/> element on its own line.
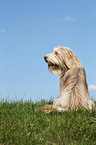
<point x="73" y="92"/>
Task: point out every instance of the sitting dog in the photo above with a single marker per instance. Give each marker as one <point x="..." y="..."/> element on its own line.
<point x="73" y="92"/>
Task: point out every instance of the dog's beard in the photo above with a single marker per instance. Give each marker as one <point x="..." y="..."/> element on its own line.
<point x="54" y="69"/>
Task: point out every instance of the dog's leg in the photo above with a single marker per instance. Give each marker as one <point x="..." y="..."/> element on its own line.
<point x="47" y="108"/>
<point x="59" y="109"/>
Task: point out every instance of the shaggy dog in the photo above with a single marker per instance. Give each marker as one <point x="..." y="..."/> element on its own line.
<point x="73" y="92"/>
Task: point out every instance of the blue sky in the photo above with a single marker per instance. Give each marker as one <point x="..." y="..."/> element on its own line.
<point x="29" y="30"/>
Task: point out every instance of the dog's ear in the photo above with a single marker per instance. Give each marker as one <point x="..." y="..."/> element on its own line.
<point x="71" y="60"/>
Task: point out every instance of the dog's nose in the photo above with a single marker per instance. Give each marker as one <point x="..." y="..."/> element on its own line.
<point x="45" y="57"/>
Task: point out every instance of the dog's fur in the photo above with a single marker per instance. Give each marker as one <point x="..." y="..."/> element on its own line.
<point x="73" y="92"/>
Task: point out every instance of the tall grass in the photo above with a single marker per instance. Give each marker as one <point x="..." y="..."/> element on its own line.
<point x="21" y="125"/>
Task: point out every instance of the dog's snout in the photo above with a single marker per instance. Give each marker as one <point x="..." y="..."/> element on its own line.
<point x="45" y="57"/>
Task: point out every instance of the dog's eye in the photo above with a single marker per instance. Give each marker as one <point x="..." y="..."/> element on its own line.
<point x="55" y="53"/>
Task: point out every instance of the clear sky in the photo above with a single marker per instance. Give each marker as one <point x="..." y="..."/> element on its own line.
<point x="29" y="29"/>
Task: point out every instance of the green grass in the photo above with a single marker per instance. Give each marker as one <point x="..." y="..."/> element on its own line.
<point x="21" y="125"/>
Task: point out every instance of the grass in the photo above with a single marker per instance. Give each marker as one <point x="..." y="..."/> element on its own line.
<point x="21" y="125"/>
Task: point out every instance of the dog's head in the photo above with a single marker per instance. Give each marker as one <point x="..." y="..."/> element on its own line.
<point x="61" y="60"/>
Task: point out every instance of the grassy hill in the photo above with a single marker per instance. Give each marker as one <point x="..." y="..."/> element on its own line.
<point x="21" y="125"/>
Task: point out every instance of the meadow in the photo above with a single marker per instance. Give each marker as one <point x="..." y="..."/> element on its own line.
<point x="21" y="124"/>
